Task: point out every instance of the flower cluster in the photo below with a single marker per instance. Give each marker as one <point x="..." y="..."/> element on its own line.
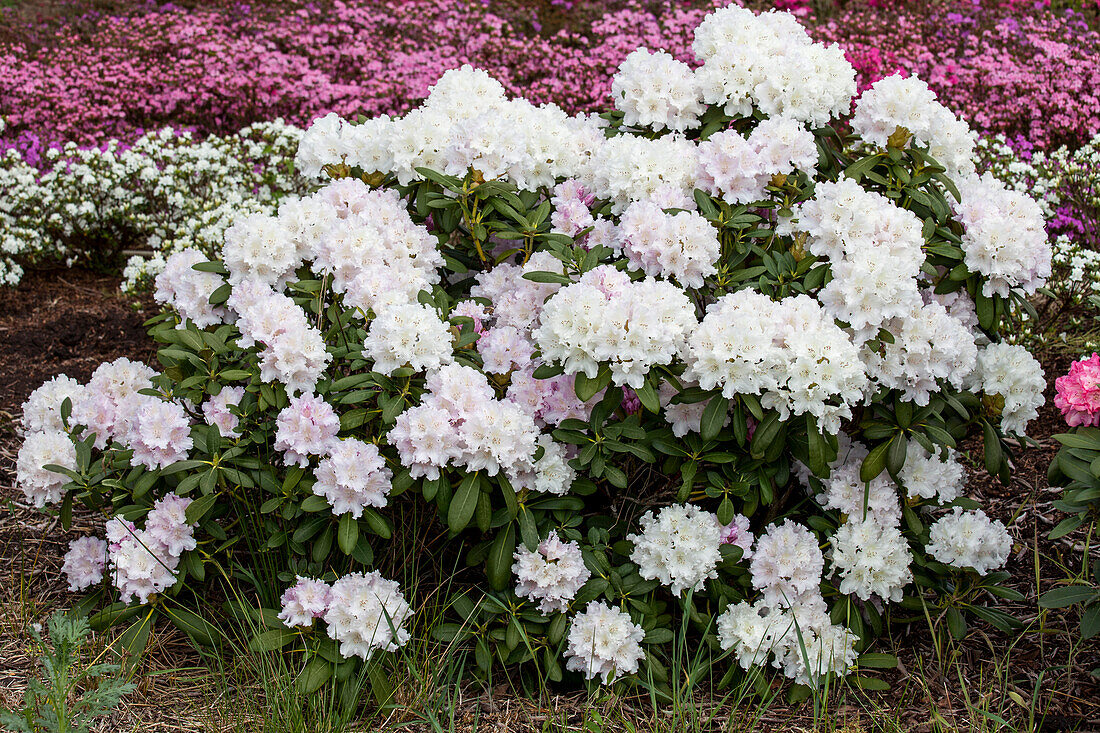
<point x="790" y="352"/>
<point x="603" y="642"/>
<point x="364" y="612"/>
<point x="1079" y="392"/>
<point x="551" y="574"/>
<point x="970" y="540"/>
<point x="678" y="547"/>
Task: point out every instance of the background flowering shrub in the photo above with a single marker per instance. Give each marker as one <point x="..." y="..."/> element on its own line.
<point x="166" y="190"/>
<point x="1008" y="68"/>
<point x="768" y="334"/>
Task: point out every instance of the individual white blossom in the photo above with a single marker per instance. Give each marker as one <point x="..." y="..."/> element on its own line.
<point x="678" y="546"/>
<point x="366" y="613"/>
<point x="551" y="574"/>
<point x="969" y="539"/>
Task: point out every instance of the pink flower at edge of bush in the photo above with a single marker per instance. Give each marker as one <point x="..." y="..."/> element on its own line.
<point x="1078" y="393"/>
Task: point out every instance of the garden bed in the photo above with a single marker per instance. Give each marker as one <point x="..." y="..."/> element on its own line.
<point x="70" y="321"/>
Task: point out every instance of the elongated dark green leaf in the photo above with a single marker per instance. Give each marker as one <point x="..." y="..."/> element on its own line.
<point x="1067" y="596"/>
<point x="714" y="417"/>
<point x="498" y="564"/>
<point x="464" y="503"/>
<point x="347" y="535"/>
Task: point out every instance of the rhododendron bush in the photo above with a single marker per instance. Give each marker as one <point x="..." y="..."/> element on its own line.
<point x="702" y="357"/>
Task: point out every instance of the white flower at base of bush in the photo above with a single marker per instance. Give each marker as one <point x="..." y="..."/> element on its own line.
<point x="552" y="574"/>
<point x="751" y="631"/>
<point x="159" y="431"/>
<point x="1011" y="372"/>
<point x="871" y="559"/>
<point x="926" y="476"/>
<point x="552" y="473"/>
<point x="39" y="485"/>
<point x="188" y="290"/>
<point x="655" y="90"/>
<point x="969" y="540"/>
<point x="678" y="546"/>
<point x="1005" y="236"/>
<point x="217" y="411"/>
<point x="306" y="427"/>
<point x="306" y="600"/>
<point x="353" y="475"/>
<point x="786" y="564"/>
<point x="42" y="409"/>
<point x="603" y="642"/>
<point x="143" y="561"/>
<point x="606" y="318"/>
<point x="410" y="334"/>
<point x="85" y="562"/>
<point x="682" y="246"/>
<point x="367" y="612"/>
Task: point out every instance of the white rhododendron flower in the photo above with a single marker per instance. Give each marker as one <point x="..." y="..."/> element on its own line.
<point x="189" y="290"/>
<point x="40" y="485"/>
<point x="218" y="410"/>
<point x="786" y="564"/>
<point x="551" y="574"/>
<point x="871" y="559"/>
<point x="603" y="642"/>
<point x="678" y="546"/>
<point x="655" y="90"/>
<point x="42" y="409"/>
<point x="306" y="427"/>
<point x="606" y="318"/>
<point x="1009" y="371"/>
<point x="1005" y="236"/>
<point x="929" y="476"/>
<point x="411" y="334"/>
<point x="969" y="539"/>
<point x="367" y="612"/>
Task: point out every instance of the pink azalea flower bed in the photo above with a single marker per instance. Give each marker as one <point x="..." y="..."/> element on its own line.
<point x="1022" y="71"/>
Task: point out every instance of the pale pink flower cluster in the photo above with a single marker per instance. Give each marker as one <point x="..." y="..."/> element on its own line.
<point x="218" y="411"/>
<point x="85" y="562"/>
<point x="1078" y="394"/>
<point x="548" y="401"/>
<point x="739" y="169"/>
<point x="159" y="431"/>
<point x="40" y="485"/>
<point x="460" y="422"/>
<point x="105" y="405"/>
<point x="551" y="574"/>
<point x="682" y="246"/>
<point x="144" y="561"/>
<point x="353" y="475"/>
<point x="306" y="427"/>
<point x="737" y="533"/>
<point x="571" y="204"/>
<point x="306" y="600"/>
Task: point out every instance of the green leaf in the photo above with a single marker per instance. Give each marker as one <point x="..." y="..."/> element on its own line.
<point x="585" y="386"/>
<point x="1067" y="596"/>
<point x="269" y="641"/>
<point x="877" y="661"/>
<point x="464" y="503"/>
<point x="541" y="276"/>
<point x="895" y="455"/>
<point x="316" y="673"/>
<point x="714" y="417"/>
<point x="1090" y="621"/>
<point x="875" y="462"/>
<point x="869" y="683"/>
<point x="648" y="396"/>
<point x="993" y="452"/>
<point x="198" y="508"/>
<point x="347" y="535"/>
<point x="135" y="638"/>
<point x="201" y="631"/>
<point x="498" y="564"/>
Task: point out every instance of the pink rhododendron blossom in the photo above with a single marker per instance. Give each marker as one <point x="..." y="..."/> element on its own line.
<point x="1078" y="393"/>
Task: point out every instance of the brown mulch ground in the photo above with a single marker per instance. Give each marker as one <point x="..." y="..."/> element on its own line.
<point x="70" y="321"/>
